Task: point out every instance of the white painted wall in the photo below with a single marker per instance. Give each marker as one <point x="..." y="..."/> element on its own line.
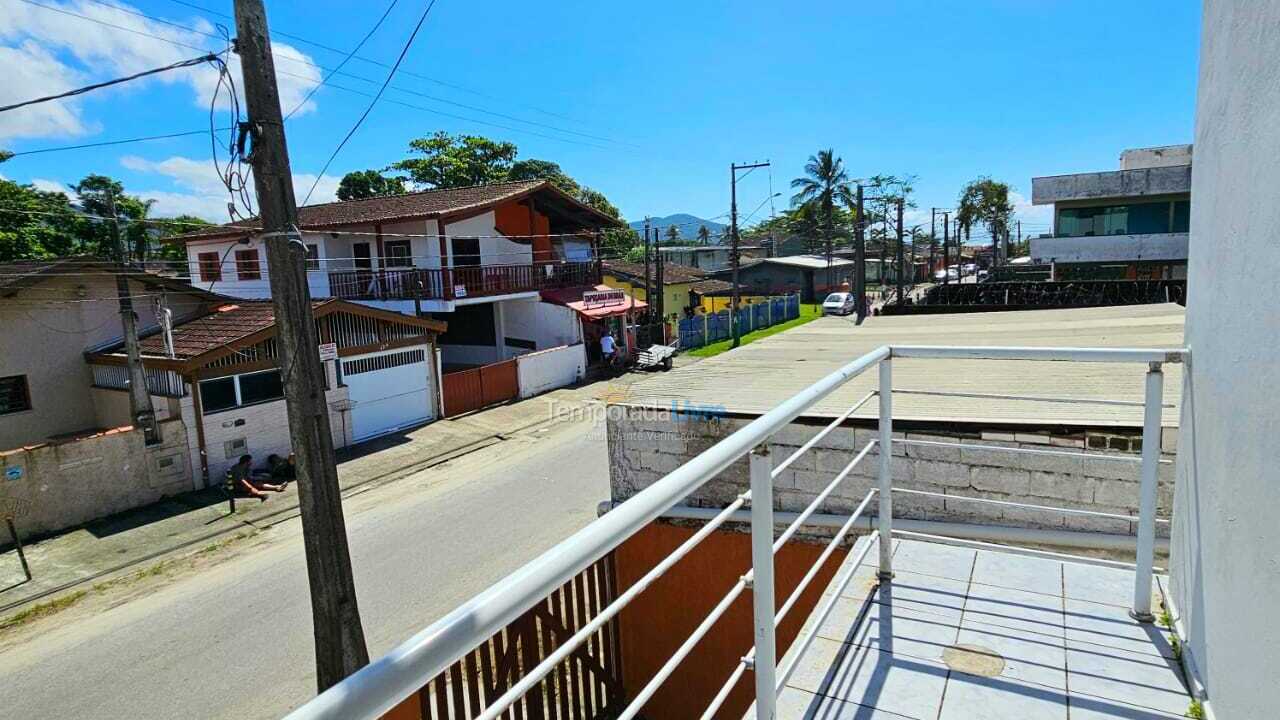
<point x="544" y="323"/>
<point x="231" y="284"/>
<point x="1110" y="248"/>
<point x="493" y="250"/>
<point x="1226" y="537"/>
<point x="546" y="370"/>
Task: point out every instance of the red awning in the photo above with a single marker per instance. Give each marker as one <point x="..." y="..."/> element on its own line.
<point x="572" y="298"/>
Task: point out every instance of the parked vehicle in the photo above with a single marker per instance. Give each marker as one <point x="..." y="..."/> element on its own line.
<point x="949" y="274"/>
<point x="970" y="268"/>
<point x="983" y="275"/>
<point x="838" y="304"/>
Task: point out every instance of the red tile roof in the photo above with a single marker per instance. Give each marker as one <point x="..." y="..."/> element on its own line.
<point x="425" y="204"/>
<point x="224" y="325"/>
<point x="671" y="272"/>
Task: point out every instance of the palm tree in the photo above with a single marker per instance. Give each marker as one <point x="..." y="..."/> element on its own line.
<point x="825" y="183"/>
<point x="704" y="235"/>
<point x="673" y="234"/>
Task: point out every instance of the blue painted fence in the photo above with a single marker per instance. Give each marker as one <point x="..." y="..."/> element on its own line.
<point x="714" y="327"/>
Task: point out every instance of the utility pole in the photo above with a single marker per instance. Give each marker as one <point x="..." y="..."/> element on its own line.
<point x="960" y="250"/>
<point x="860" y="258"/>
<point x="933" y="238"/>
<point x="733" y="238"/>
<point x="902" y="266"/>
<point x="140" y="408"/>
<point x="946" y="247"/>
<point x="648" y="295"/>
<point x="339" y="638"/>
<point x="661" y="303"/>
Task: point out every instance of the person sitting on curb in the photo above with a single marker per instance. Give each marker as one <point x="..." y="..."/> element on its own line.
<point x="243" y="480"/>
<point x="282" y="469"/>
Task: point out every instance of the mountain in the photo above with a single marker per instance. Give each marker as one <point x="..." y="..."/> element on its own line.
<point x="685" y="223"/>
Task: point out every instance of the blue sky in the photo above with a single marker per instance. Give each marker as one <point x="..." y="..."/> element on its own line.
<point x="648" y="103"/>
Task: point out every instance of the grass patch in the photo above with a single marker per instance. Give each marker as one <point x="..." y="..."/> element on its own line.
<point x="44" y="609"/>
<point x="1196" y="710"/>
<point x="808" y="313"/>
<point x="58" y="604"/>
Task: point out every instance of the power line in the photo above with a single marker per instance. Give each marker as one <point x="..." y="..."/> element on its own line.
<point x="403" y="51"/>
<point x="117" y="27"/>
<point x="107" y="143"/>
<point x="108" y="83"/>
<point x="377" y="63"/>
<point x="345" y="60"/>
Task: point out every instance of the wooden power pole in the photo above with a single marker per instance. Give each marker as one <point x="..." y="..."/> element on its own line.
<point x="860" y="257"/>
<point x="902" y="264"/>
<point x="736" y="241"/>
<point x="339" y="638"/>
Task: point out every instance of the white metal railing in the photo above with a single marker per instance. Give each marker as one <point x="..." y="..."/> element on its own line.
<point x="380" y="686"/>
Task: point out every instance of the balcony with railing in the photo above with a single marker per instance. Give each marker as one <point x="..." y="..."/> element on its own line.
<point x="457" y="283"/>
<point x="913" y="624"/>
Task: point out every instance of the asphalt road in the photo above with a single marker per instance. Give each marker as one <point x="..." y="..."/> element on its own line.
<point x="234" y="640"/>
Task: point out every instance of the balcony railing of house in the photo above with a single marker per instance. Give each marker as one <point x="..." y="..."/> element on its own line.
<point x="381" y="686"/>
<point x="408" y="283"/>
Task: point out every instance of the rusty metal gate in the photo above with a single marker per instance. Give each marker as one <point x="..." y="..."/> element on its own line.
<point x="586" y="686"/>
<point x="486" y="385"/>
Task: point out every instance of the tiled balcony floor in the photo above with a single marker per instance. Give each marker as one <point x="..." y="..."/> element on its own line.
<point x="969" y="634"/>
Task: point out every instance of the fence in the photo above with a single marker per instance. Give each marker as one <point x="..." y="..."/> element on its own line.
<point x="549" y="369"/>
<point x="486" y="385"/>
<point x="713" y="327"/>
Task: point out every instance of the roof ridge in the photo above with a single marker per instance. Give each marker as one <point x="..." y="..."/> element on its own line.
<point x="428" y="191"/>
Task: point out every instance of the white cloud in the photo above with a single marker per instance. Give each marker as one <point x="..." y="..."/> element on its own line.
<point x="1036" y="219"/>
<point x="45" y="185"/>
<point x="197" y="190"/>
<point x="44" y="51"/>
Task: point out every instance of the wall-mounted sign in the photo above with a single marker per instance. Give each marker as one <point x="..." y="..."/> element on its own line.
<point x="13" y="473"/>
<point x="603" y="298"/>
<point x="328" y="351"/>
<point x="459" y="290"/>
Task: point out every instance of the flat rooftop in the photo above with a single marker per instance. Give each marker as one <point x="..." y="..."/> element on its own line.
<point x="963" y="634"/>
<point x="756" y="378"/>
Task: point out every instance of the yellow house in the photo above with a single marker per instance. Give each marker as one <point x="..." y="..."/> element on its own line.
<point x="678" y="300"/>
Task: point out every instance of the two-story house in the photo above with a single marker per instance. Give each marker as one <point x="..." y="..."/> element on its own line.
<point x="1121" y="224"/>
<point x="476" y="257"/>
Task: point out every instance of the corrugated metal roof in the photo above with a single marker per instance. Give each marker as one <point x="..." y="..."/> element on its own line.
<point x="757" y="377"/>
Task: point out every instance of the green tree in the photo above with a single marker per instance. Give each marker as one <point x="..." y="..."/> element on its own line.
<point x="544" y="170"/>
<point x="97" y="194"/>
<point x="176" y="252"/>
<point x="824" y="184"/>
<point x="673" y="234"/>
<point x="363" y="184"/>
<point x="451" y="161"/>
<point x="5" y="155"/>
<point x="985" y="201"/>
<point x="36" y="224"/>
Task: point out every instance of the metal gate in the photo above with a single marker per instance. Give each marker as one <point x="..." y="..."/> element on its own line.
<point x="486" y="385"/>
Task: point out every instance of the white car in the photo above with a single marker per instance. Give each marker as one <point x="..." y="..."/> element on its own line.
<point x="839" y="304"/>
<point x="948" y="274"/>
<point x="970" y="268"/>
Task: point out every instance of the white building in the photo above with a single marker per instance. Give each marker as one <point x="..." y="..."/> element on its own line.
<point x="1130" y="223"/>
<point x="475" y="257"/>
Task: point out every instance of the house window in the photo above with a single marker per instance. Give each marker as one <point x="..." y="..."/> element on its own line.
<point x="260" y="387"/>
<point x="15" y="396"/>
<point x="313" y="257"/>
<point x="398" y="253"/>
<point x="236" y="391"/>
<point x="247" y="267"/>
<point x="363" y="258"/>
<point x="466" y="251"/>
<point x="210" y="267"/>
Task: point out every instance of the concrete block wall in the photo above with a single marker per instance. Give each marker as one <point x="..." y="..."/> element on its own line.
<point x="62" y="485"/>
<point x="646" y="444"/>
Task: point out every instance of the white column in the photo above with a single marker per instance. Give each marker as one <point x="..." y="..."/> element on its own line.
<point x="500" y="329"/>
<point x="885" y="532"/>
<point x="762" y="581"/>
<point x="1147" y="494"/>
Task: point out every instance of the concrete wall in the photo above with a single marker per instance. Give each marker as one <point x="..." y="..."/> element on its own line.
<point x="546" y="370"/>
<point x="1225" y="572"/>
<point x="493" y="250"/>
<point x="68" y="484"/>
<point x="644" y="446"/>
<point x="1111" y="184"/>
<point x="1110" y="248"/>
<point x="546" y="324"/>
<point x="46" y="329"/>
<point x="1164" y="156"/>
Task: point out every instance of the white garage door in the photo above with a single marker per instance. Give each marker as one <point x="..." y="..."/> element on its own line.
<point x="389" y="390"/>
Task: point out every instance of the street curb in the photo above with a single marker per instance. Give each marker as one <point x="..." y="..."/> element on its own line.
<point x="278" y="516"/>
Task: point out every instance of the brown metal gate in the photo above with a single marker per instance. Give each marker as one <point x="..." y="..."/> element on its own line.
<point x="585" y="686"/>
<point x="486" y="385"/>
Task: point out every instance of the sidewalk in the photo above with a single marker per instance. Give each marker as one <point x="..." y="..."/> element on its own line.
<point x="193" y="519"/>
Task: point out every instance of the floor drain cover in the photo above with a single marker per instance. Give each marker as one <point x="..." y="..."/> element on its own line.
<point x="974" y="660"/>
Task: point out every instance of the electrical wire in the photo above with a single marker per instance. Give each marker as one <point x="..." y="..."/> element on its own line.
<point x="345" y="60"/>
<point x="403" y="51"/>
<point x="108" y="83"/>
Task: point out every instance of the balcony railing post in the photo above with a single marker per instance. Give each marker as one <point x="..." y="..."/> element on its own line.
<point x="1147" y="494"/>
<point x="762" y="580"/>
<point x="885" y="518"/>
